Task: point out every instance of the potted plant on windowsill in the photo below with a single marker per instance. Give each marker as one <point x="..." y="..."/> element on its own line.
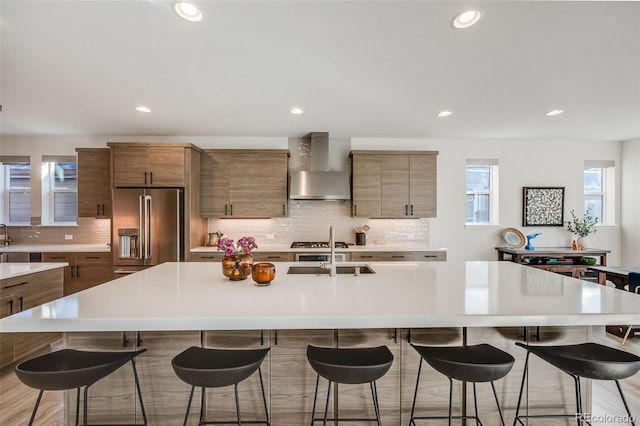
<point x="582" y="227"/>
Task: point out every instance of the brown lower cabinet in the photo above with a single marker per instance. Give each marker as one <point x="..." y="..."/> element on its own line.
<point x="21" y="293"/>
<point x="85" y="270"/>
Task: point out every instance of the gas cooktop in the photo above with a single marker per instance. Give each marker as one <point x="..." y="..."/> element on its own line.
<point x="317" y="244"/>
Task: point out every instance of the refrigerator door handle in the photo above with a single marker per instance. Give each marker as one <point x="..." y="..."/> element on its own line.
<point x="141" y="229"/>
<point x="147" y="224"/>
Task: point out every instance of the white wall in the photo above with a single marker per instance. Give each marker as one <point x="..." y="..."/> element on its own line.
<point x="630" y="203"/>
<point x="522" y="163"/>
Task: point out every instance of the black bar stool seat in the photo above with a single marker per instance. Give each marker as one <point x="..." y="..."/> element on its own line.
<point x="475" y="364"/>
<point x="213" y="368"/>
<point x="349" y="366"/>
<point x="585" y="360"/>
<point x="72" y="369"/>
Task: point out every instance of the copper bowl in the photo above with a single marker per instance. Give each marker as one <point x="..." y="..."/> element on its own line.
<point x="263" y="272"/>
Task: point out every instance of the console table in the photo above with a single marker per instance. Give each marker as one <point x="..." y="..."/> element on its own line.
<point x="518" y="255"/>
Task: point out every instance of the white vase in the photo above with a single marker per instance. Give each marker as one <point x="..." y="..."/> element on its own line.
<point x="582" y="243"/>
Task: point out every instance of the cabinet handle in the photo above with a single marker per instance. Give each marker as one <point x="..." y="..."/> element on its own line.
<point x="151" y="178"/>
<point x="411" y="209"/>
<point x="394" y="336"/>
<point x="355" y="210"/>
<point x="21" y="303"/>
<point x="56" y="257"/>
<point x="103" y="210"/>
<point x="397" y="256"/>
<point x="430" y="255"/>
<point x="225" y="210"/>
<point x="78" y="271"/>
<point x="406" y="210"/>
<point x="261" y="337"/>
<point x="10" y="307"/>
<point x="231" y="209"/>
<point x="16" y="285"/>
<point x="92" y="257"/>
<point x="276" y="337"/>
<point x="284" y="210"/>
<point x="366" y="257"/>
<point x="145" y="178"/>
<point x="273" y="257"/>
<point x="97" y="209"/>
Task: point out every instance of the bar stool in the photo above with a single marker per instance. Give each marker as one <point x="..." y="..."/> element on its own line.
<point x="213" y="368"/>
<point x="69" y="368"/>
<point x="349" y="366"/>
<point x="588" y="360"/>
<point x="475" y="364"/>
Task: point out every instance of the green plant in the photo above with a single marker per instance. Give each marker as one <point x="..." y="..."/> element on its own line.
<point x="582" y="227"/>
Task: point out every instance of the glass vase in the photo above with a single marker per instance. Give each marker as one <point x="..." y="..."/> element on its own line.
<point x="237" y="267"/>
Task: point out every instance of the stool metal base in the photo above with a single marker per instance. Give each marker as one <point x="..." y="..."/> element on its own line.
<point x="85" y="408"/>
<point x="325" y="419"/>
<point x="238" y="421"/>
<point x="579" y="415"/>
<point x="451" y="417"/>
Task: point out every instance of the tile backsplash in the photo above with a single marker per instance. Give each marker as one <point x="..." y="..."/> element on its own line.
<point x="88" y="231"/>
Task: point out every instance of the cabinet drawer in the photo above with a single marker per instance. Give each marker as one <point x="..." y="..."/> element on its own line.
<point x="207" y="257"/>
<point x="366" y="257"/>
<point x="397" y="257"/>
<point x="272" y="256"/>
<point x="97" y="257"/>
<point x="59" y="257"/>
<point x="430" y="256"/>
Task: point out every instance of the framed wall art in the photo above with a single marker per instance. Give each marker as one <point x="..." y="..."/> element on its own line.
<point x="542" y="206"/>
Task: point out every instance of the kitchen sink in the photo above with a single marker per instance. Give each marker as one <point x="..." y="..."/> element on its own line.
<point x="340" y="269"/>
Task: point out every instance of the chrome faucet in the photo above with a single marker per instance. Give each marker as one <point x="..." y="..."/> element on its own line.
<point x="6" y="240"/>
<point x="332" y="247"/>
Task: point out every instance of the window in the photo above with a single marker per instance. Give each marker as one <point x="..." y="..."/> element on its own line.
<point x="15" y="185"/>
<point x="599" y="190"/>
<point x="59" y="190"/>
<point x="482" y="192"/>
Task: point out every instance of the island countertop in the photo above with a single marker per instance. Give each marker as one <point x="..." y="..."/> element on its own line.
<point x="196" y="296"/>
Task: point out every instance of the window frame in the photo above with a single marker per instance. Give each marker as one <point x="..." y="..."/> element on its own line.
<point x="493" y="216"/>
<point x="608" y="187"/>
<point x="49" y="190"/>
<point x="6" y="191"/>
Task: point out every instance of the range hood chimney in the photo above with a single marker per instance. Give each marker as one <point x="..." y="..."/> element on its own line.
<point x="320" y="183"/>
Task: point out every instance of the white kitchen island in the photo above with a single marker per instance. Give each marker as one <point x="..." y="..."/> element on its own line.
<point x="174" y="305"/>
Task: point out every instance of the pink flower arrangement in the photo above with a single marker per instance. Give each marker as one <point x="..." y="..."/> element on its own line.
<point x="243" y="246"/>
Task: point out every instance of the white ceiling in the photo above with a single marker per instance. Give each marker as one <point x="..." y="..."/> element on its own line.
<point x="358" y="68"/>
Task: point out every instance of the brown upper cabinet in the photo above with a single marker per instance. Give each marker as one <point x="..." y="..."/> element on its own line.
<point x="243" y="183"/>
<point x="148" y="165"/>
<point x="94" y="188"/>
<point x="394" y="184"/>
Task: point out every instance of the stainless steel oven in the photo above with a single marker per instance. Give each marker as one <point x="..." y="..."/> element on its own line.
<point x="319" y="257"/>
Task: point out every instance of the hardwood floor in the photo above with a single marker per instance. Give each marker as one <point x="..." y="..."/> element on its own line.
<point x="17" y="400"/>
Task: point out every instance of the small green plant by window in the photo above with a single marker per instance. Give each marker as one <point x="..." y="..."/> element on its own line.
<point x="584" y="226"/>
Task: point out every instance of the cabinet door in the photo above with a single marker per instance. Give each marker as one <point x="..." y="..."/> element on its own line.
<point x="130" y="166"/>
<point x="207" y="257"/>
<point x="365" y="256"/>
<point x="6" y="347"/>
<point x="166" y="166"/>
<point x="398" y="256"/>
<point x="70" y="285"/>
<point x="395" y="185"/>
<point x="267" y="256"/>
<point x="292" y="378"/>
<point x="92" y="268"/>
<point x="272" y="184"/>
<point x="42" y="287"/>
<point x="422" y="177"/>
<point x="367" y="185"/>
<point x="94" y="186"/>
<point x="214" y="184"/>
<point x="355" y="401"/>
<point x="244" y="184"/>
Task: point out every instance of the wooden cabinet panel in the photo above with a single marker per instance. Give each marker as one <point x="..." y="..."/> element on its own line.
<point x="366" y="256"/>
<point x="21" y="293"/>
<point x="367" y="185"/>
<point x="394" y="184"/>
<point x="398" y="256"/>
<point x="430" y="256"/>
<point x="148" y="165"/>
<point x="244" y="183"/>
<point x="214" y="183"/>
<point x="94" y="185"/>
<point x="85" y="270"/>
<point x="266" y="256"/>
<point x="207" y="257"/>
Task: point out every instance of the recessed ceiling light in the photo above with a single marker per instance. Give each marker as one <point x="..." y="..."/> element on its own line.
<point x="296" y="111"/>
<point x="444" y="113"/>
<point x="188" y="11"/>
<point x="554" y="112"/>
<point x="142" y="109"/>
<point x="466" y="19"/>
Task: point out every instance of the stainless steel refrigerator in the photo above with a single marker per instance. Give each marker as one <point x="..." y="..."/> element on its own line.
<point x="147" y="228"/>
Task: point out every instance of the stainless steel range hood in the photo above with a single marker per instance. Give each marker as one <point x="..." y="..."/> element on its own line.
<point x="320" y="183"/>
